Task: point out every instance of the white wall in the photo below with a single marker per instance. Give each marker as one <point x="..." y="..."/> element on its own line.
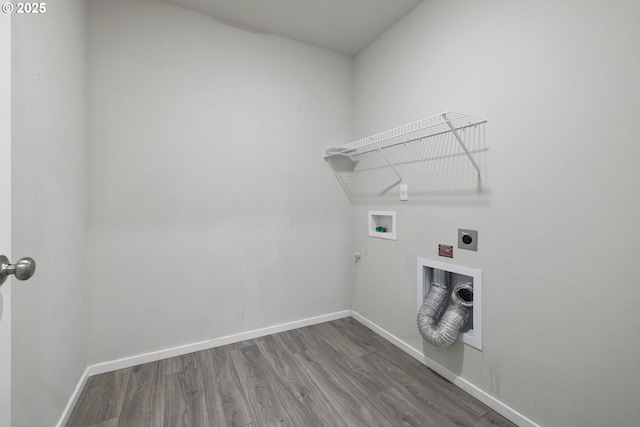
<point x="558" y="207"/>
<point x="212" y="211"/>
<point x="5" y="216"/>
<point x="49" y="209"/>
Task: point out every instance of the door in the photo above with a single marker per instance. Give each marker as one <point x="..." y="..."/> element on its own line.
<point x="5" y="216"/>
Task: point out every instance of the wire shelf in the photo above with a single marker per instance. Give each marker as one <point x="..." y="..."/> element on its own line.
<point x="397" y="152"/>
<point x="421" y="129"/>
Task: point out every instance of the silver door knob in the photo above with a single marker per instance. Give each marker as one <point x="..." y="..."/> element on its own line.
<point x="23" y="269"/>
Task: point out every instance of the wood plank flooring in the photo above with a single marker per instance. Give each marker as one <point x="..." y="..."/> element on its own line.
<point x="337" y="373"/>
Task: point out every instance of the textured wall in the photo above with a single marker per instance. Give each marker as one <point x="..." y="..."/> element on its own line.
<point x="49" y="209"/>
<point x="557" y="210"/>
<point x="212" y="211"/>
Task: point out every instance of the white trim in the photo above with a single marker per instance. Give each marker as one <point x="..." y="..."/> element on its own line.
<point x="64" y="418"/>
<point x="5" y="215"/>
<point x="465" y="385"/>
<point x="493" y="403"/>
<point x="127" y="362"/>
<point x="472" y="337"/>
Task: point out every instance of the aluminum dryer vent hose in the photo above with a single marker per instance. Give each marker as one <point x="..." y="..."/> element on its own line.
<point x="444" y="332"/>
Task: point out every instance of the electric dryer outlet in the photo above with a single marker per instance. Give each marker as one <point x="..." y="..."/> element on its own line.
<point x="468" y="239"/>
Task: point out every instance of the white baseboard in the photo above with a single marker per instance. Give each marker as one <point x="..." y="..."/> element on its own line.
<point x="73" y="399"/>
<point x="493" y="403"/>
<point x="128" y="362"/>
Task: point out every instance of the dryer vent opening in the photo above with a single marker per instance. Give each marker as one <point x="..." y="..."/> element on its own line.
<point x="463" y="294"/>
<point x="443" y="331"/>
<point x="444" y="287"/>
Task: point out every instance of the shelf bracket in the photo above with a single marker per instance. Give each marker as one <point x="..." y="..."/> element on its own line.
<point x="388" y="162"/>
<point x="461" y="142"/>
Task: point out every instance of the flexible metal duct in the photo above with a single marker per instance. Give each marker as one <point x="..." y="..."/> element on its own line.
<point x="444" y="332"/>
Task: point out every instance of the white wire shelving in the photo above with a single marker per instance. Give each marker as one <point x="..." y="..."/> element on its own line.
<point x="417" y="131"/>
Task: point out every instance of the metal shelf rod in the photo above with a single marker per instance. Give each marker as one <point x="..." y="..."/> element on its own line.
<point x="464" y="147"/>
<point x="389" y="162"/>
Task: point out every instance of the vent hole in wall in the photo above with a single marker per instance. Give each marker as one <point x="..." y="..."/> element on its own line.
<point x="466" y="279"/>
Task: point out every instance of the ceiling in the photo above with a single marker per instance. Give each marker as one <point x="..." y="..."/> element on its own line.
<point x="345" y="26"/>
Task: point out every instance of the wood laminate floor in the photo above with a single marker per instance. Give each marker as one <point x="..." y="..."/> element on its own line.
<point x="337" y="373"/>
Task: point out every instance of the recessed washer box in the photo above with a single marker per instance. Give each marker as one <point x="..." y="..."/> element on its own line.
<point x="471" y="334"/>
<point x="382" y="224"/>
